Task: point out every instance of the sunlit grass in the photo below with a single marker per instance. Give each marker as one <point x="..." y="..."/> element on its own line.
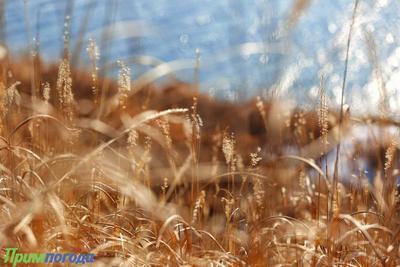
<point x="148" y="176"/>
<point x="154" y="187"/>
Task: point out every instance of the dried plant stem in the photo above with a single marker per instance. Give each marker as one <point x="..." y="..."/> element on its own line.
<point x="335" y="196"/>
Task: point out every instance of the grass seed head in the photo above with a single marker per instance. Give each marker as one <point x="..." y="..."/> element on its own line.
<point x="64" y="89"/>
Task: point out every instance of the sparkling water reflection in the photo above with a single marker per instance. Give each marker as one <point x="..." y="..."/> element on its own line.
<point x="295" y="52"/>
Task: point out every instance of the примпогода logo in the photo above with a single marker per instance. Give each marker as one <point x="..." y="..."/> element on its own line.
<point x="12" y="257"/>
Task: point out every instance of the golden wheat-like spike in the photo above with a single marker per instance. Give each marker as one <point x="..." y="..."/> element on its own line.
<point x="12" y="95"/>
<point x="198" y="206"/>
<point x="228" y="148"/>
<point x="64" y="89"/>
<point x="389" y="155"/>
<point x="124" y="84"/>
<point x="164" y="126"/>
<point x="323" y="115"/>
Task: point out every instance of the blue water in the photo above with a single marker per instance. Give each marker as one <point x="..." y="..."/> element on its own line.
<point x="225" y="32"/>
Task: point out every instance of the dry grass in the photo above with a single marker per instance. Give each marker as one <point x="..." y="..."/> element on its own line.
<point x="171" y="184"/>
<point x="146" y="176"/>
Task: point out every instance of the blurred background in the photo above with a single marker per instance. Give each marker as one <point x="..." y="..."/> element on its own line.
<point x="241" y="48"/>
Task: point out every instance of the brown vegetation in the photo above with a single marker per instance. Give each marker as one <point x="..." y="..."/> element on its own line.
<point x="170" y="176"/>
